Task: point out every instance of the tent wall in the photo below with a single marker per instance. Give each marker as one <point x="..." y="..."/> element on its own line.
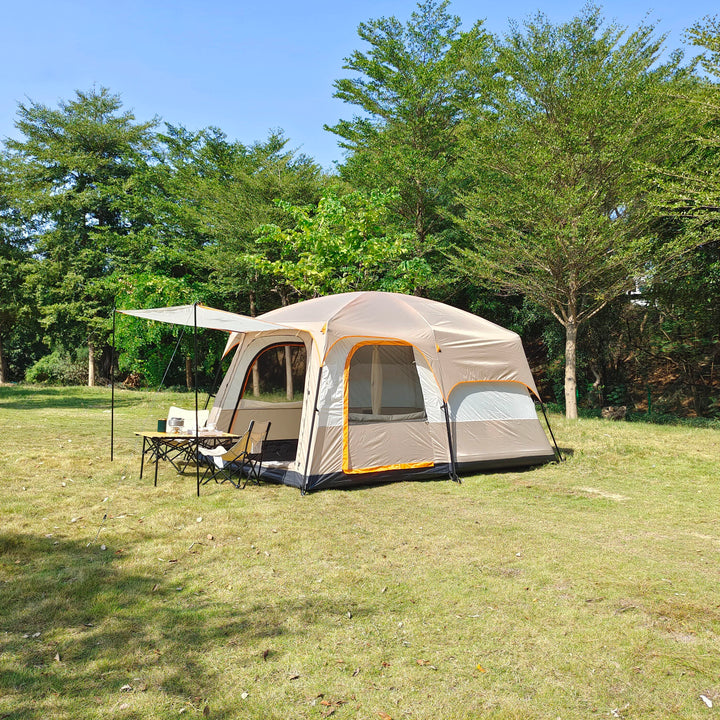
<point x="496" y="421"/>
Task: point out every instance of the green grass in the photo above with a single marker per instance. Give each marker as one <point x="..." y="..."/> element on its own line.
<point x="580" y="590"/>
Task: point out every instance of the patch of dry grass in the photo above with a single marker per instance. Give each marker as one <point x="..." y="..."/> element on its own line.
<point x="586" y="589"/>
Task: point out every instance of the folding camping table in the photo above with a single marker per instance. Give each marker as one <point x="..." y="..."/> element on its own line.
<point x="178" y="449"/>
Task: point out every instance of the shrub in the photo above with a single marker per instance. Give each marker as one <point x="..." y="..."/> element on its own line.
<point x="59" y="368"/>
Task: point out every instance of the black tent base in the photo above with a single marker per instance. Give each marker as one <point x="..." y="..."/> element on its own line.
<point x="442" y="470"/>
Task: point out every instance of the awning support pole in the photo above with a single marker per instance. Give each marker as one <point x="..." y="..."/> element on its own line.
<point x="195" y="372"/>
<point x="112" y="390"/>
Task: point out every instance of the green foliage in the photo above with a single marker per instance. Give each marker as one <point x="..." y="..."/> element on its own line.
<point x="412" y="88"/>
<point x="341" y="245"/>
<point x="705" y="34"/>
<point x="682" y="328"/>
<point x="557" y="172"/>
<point x="153" y="351"/>
<point x="59" y="368"/>
<point x="688" y="186"/>
<point x="16" y="307"/>
<point x="112" y="211"/>
<point x="243" y="197"/>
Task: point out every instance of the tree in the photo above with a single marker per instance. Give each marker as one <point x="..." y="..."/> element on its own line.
<point x="14" y="261"/>
<point x="207" y="195"/>
<point x="412" y="88"/>
<point x="342" y="245"/>
<point x="245" y="197"/>
<point x="74" y="169"/>
<point x="684" y="336"/>
<point x="557" y="212"/>
<point x="692" y="191"/>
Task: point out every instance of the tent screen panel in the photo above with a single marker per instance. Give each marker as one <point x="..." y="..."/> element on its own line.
<point x="277" y="374"/>
<point x="383" y="385"/>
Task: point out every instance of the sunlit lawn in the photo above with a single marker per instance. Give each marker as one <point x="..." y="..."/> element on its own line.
<point x="586" y="589"/>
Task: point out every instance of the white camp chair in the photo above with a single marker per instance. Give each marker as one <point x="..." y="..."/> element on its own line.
<point x="188" y="417"/>
<point x="179" y="452"/>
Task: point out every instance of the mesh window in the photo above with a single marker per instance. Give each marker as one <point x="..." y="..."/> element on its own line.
<point x="383" y="385"/>
<point x="277" y="374"/>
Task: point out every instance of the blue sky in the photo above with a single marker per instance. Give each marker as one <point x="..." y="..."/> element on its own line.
<point x="246" y="67"/>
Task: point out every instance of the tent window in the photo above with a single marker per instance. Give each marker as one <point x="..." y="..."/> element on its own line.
<point x="277" y="374"/>
<point x="383" y="385"/>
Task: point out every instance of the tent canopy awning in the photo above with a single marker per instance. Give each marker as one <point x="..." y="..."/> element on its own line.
<point x="206" y="317"/>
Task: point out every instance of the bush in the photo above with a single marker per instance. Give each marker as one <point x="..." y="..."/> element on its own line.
<point x="59" y="368"/>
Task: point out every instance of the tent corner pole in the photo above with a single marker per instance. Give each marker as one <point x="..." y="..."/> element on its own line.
<point x="558" y="454"/>
<point x="446" y="410"/>
<point x="453" y="468"/>
<point x="303" y="489"/>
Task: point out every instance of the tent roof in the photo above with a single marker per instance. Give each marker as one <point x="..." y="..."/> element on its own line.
<point x="478" y="348"/>
<point x="473" y="348"/>
<point x="207" y="317"/>
<point x="383" y="314"/>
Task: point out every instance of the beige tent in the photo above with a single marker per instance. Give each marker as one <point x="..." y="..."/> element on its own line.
<point x="368" y="386"/>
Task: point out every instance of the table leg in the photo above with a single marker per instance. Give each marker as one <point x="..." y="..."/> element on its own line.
<point x="142" y="457"/>
<point x="197" y="471"/>
<point x="157" y="459"/>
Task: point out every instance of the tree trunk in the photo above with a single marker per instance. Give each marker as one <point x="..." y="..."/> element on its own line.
<point x="289" y="391"/>
<point x="571" y="329"/>
<point x="188" y="372"/>
<point x="598" y="385"/>
<point x="91" y="364"/>
<point x="4" y="376"/>
<point x="105" y="366"/>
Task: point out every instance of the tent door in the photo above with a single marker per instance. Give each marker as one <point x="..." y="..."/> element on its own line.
<point x="385" y="423"/>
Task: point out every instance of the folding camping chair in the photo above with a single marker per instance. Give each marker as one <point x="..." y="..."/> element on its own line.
<point x="253" y="459"/>
<point x="223" y="465"/>
<point x="244" y="457"/>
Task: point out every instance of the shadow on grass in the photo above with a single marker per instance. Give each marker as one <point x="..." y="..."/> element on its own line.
<point x="76" y="626"/>
<point x="40" y="397"/>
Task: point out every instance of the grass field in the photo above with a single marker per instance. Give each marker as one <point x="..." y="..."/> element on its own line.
<point x="580" y="590"/>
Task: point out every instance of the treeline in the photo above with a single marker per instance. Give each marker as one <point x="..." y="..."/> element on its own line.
<point x="562" y="180"/>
